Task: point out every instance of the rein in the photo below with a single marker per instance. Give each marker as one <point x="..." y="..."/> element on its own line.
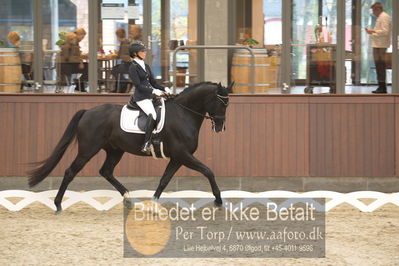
<point x="194" y="112"/>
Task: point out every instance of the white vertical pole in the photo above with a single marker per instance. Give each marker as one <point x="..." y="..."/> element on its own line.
<point x="93" y="45"/>
<point x="340" y="53"/>
<point x="285" y="67"/>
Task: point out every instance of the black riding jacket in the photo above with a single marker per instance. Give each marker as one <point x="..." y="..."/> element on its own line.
<point x="143" y="81"/>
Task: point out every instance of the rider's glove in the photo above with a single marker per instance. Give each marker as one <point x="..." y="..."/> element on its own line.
<point x="157" y="92"/>
<point x="168" y="91"/>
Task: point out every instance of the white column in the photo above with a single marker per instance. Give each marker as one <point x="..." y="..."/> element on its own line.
<point x="54" y="24"/>
<point x="216" y="33"/>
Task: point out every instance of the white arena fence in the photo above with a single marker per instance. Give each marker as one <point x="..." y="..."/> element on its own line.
<point x="333" y="199"/>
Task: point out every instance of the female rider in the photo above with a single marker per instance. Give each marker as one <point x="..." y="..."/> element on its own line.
<point x="145" y="89"/>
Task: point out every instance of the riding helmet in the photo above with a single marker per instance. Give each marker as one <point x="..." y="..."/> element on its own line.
<point x="136" y="47"/>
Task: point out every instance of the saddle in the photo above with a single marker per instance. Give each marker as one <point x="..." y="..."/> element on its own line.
<point x="142" y="117"/>
<point x="134" y="120"/>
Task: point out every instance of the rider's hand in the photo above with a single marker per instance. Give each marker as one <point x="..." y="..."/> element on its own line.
<point x="157" y="92"/>
<point x="168" y="91"/>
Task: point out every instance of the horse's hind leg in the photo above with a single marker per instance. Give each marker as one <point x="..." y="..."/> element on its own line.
<point x="170" y="170"/>
<point x="107" y="170"/>
<point x="70" y="173"/>
<point x="191" y="162"/>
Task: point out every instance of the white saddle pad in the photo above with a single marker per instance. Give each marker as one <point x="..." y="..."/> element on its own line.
<point x="129" y="120"/>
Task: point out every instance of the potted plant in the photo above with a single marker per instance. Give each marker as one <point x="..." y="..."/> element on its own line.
<point x="61" y="36"/>
<point x="249" y="41"/>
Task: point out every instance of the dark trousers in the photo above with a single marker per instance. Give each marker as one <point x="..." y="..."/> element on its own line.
<point x="27" y="72"/>
<point x="67" y="69"/>
<point x="118" y="72"/>
<point x="380" y="64"/>
<point x="73" y="68"/>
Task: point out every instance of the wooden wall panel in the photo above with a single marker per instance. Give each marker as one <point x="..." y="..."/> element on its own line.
<point x="259" y="140"/>
<point x="354" y="138"/>
<point x="267" y="135"/>
<point x="278" y="134"/>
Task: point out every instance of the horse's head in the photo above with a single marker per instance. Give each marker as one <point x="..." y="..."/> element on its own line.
<point x="206" y="97"/>
<point x="216" y="105"/>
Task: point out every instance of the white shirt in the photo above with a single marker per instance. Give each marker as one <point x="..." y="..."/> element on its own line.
<point x="141" y="63"/>
<point x="383" y="28"/>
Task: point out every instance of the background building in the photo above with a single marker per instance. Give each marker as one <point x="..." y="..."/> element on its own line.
<point x="286" y="29"/>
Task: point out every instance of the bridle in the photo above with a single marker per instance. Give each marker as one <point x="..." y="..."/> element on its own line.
<point x="223" y="99"/>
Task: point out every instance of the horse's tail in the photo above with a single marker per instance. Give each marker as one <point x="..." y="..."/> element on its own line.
<point x="45" y="167"/>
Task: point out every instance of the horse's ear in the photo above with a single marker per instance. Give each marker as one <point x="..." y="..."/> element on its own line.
<point x="220" y="85"/>
<point x="230" y="87"/>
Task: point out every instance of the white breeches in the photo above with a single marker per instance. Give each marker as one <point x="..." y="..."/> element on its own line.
<point x="147" y="107"/>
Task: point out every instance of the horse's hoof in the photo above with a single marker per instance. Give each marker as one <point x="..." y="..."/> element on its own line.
<point x="155" y="198"/>
<point x="218" y="202"/>
<point x="58" y="212"/>
<point x="128" y="203"/>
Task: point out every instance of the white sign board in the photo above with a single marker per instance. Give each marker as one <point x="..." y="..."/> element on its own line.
<point x="133" y="12"/>
<point x="113" y="11"/>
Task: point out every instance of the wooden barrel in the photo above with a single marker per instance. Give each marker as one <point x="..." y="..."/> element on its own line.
<point x="266" y="71"/>
<point x="10" y="70"/>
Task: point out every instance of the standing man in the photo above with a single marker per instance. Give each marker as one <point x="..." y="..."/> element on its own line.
<point x="380" y="41"/>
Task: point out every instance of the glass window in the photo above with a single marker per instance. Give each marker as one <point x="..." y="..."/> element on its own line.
<point x="360" y="63"/>
<point x="160" y="25"/>
<point x="313" y="53"/>
<point x="272" y="22"/>
<point x="65" y="45"/>
<point x="115" y="35"/>
<point x="16" y="45"/>
<point x="172" y="27"/>
<point x="259" y="25"/>
<point x="179" y="35"/>
<point x="272" y="10"/>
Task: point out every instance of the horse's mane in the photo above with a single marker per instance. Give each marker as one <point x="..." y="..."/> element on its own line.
<point x="195" y="87"/>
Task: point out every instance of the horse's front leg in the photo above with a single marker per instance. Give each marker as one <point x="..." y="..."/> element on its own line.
<point x="170" y="170"/>
<point x="193" y="163"/>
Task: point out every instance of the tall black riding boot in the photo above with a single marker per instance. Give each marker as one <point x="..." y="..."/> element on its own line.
<point x="148" y="134"/>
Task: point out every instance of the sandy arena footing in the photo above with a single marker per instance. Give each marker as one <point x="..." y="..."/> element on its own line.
<point x="85" y="236"/>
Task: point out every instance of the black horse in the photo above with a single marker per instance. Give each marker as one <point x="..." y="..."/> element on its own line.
<point x="99" y="128"/>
